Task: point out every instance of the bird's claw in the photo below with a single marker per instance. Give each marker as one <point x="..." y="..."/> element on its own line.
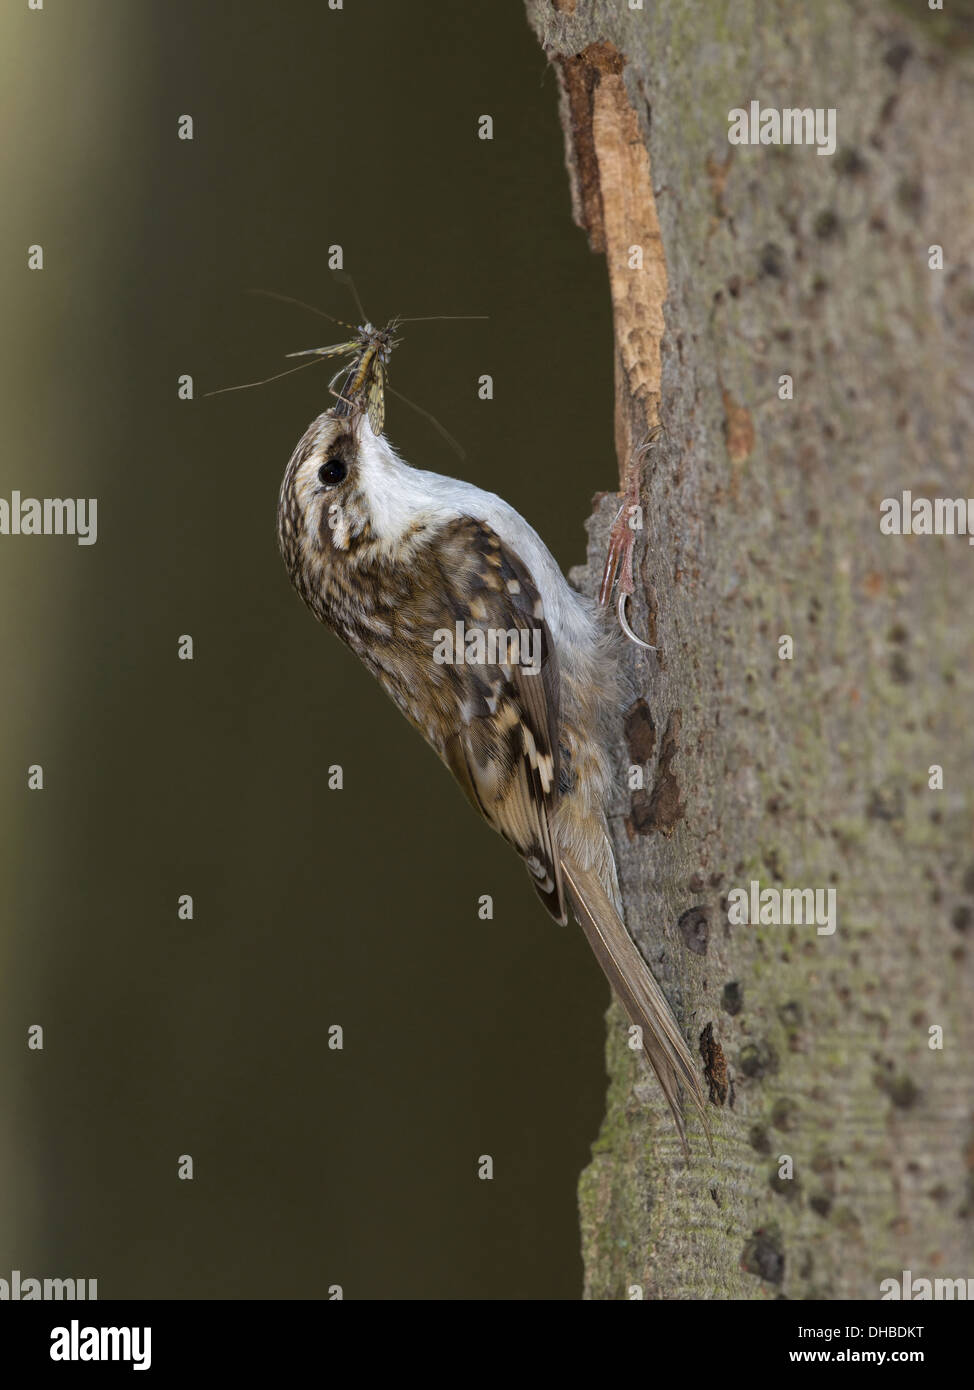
<point x="618" y="562"/>
<point x="624" y="624"/>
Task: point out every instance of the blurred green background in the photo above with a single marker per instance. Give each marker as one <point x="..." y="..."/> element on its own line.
<point x="163" y="777"/>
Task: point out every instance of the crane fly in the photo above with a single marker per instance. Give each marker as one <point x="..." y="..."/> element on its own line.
<point x="366" y="375"/>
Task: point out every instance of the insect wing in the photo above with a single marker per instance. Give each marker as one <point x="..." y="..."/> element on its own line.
<point x="376" y="397"/>
<point x="336" y="350"/>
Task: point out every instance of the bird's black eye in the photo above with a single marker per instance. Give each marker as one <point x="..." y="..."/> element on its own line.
<point x="332" y="472"/>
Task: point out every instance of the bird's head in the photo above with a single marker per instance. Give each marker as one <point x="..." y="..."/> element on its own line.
<point x="349" y="503"/>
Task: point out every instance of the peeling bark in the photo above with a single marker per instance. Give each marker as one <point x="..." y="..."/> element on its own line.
<point x="613" y="201"/>
<point x="762" y="519"/>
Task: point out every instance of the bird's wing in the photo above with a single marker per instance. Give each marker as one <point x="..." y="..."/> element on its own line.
<point x="504" y="752"/>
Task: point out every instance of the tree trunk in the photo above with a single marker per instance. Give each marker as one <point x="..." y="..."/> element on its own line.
<point x="810" y="769"/>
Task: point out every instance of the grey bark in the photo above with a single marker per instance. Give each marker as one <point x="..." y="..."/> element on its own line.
<point x="762" y="519"/>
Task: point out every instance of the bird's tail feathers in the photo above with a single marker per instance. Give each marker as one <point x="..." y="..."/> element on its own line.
<point x="637" y="991"/>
